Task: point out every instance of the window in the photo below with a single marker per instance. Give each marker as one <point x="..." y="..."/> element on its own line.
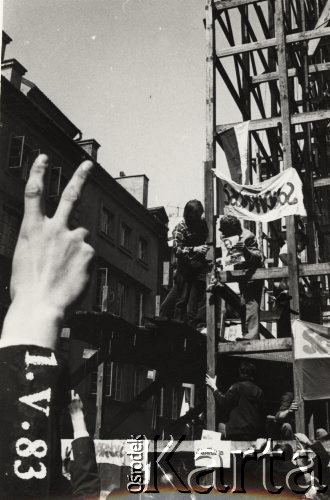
<point x="114" y="380"/>
<point x="10" y="221"/>
<point x="139" y="308"/>
<point x="57" y="182"/>
<point x="166" y="273"/>
<point x="94" y="382"/>
<point x="170" y="402"/>
<point x="110" y="374"/>
<point x="106" y="222"/>
<point x="122" y="299"/>
<point x="102" y="289"/>
<point x="16" y="152"/>
<point x="54" y="181"/>
<point x="139" y="381"/>
<point x="125" y="236"/>
<point x="142" y="249"/>
<point x="189" y="394"/>
<point x="21" y="156"/>
<point x="188" y="398"/>
<point x="108" y="378"/>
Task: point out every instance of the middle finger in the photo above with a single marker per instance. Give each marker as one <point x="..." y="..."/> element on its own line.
<point x="72" y="192"/>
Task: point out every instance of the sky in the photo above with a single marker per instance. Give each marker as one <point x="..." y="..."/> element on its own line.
<point x="128" y="73"/>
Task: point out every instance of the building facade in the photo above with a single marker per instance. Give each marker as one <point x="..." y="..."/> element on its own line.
<point x="130" y="240"/>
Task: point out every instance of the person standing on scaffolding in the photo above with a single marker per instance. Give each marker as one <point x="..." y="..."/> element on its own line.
<point x="242" y="249"/>
<point x="189" y="245"/>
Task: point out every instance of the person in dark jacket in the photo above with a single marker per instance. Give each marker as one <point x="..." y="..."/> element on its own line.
<point x="189" y="244"/>
<point x="247" y="256"/>
<point x="85" y="481"/>
<point x="243" y="402"/>
<point x="285" y="415"/>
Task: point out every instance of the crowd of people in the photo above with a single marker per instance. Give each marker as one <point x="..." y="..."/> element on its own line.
<point x="186" y="300"/>
<point x="241" y="409"/>
<point x="51" y="268"/>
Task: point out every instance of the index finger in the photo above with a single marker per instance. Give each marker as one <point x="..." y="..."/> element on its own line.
<point x="34" y="191"/>
<point x="72" y="192"/>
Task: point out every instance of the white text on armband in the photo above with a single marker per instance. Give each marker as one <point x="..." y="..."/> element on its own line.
<point x="25" y="448"/>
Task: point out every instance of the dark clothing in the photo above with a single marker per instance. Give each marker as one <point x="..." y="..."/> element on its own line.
<point x="286" y="402"/>
<point x="252" y="255"/>
<point x="83" y="469"/>
<point x="188" y="300"/>
<point x="251" y="294"/>
<point x="30" y="454"/>
<point x="189" y="263"/>
<point x="321" y="467"/>
<point x="251" y="291"/>
<point x="32" y="394"/>
<point x="167" y="307"/>
<point x="287" y="424"/>
<point x="244" y="402"/>
<point x="190" y="279"/>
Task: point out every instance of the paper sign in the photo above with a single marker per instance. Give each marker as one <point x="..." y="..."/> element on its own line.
<point x="211" y="435"/>
<point x="212" y="453"/>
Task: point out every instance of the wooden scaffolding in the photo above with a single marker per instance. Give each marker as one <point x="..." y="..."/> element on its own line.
<point x="278" y="77"/>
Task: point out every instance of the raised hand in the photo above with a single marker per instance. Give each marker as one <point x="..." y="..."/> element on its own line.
<point x="211" y="382"/>
<point x="75" y="405"/>
<point x="302" y="438"/>
<point x="293" y="407"/>
<point x="203" y="249"/>
<point x="239" y="246"/>
<point x="51" y="262"/>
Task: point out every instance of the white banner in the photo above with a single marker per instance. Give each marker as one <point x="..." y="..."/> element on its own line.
<point x="242" y="136"/>
<point x="114" y="451"/>
<point x="312" y="359"/>
<point x="310" y="340"/>
<point x="265" y="201"/>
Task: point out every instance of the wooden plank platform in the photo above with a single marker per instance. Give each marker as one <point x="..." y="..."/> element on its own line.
<point x="185" y="446"/>
<point x="230" y="4"/>
<point x="272" y="42"/>
<point x="275" y="272"/>
<point x="322" y="21"/>
<point x="254" y="346"/>
<point x="166" y="345"/>
<point x="322" y="182"/>
<point x="273" y="75"/>
<point x="265" y="123"/>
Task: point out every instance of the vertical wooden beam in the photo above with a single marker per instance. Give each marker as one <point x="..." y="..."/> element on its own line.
<point x="287" y="163"/>
<point x="99" y="401"/>
<point x="101" y="369"/>
<point x="287" y="150"/>
<point x="209" y="197"/>
<point x="308" y="157"/>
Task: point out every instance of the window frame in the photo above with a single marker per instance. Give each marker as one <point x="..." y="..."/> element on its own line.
<point x="128" y="247"/>
<point x="140" y="299"/>
<point x="143" y="255"/>
<point x="111" y="233"/>
<point x="122" y="308"/>
<point x="58" y="187"/>
<point x="21" y="152"/>
<point x="100" y="293"/>
<point x="26" y="158"/>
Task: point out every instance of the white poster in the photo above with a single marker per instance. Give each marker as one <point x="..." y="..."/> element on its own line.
<point x="212" y="453"/>
<point x="265" y="201"/>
